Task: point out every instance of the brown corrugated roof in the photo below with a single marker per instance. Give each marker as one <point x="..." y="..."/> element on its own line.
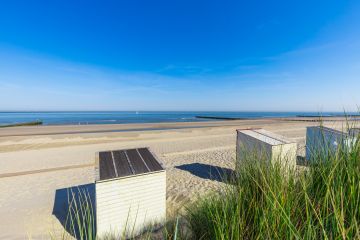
<point x="128" y="162"/>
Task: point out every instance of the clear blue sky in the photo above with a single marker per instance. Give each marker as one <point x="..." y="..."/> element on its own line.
<point x="180" y="55"/>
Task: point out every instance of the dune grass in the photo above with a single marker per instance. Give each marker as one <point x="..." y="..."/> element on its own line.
<point x="266" y="202"/>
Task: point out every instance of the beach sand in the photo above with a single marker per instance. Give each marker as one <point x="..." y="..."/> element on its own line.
<point x="38" y="164"/>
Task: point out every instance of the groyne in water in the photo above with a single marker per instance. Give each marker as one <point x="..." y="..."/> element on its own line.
<point x="33" y="123"/>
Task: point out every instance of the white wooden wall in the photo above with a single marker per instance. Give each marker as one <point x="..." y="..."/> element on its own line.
<point x="132" y="202"/>
<point x="354" y="132"/>
<point x="285" y="154"/>
<point x="320" y="140"/>
<point x="247" y="146"/>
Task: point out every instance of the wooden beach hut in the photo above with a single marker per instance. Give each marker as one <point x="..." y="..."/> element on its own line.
<point x="321" y="140"/>
<point x="130" y="191"/>
<point x="261" y="144"/>
<point x="354" y="132"/>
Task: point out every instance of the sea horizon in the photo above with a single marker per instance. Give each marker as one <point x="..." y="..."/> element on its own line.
<point x="123" y="117"/>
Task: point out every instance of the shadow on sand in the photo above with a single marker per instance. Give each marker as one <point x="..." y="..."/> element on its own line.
<point x="207" y="171"/>
<point x="73" y="205"/>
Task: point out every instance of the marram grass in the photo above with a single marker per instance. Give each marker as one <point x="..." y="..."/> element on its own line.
<point x="266" y="202"/>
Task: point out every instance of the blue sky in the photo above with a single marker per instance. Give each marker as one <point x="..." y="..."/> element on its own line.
<point x="180" y="55"/>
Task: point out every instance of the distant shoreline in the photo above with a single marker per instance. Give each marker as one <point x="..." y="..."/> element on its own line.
<point x="320" y="116"/>
<point x="308" y="118"/>
<point x="305" y="118"/>
<point x="223" y="118"/>
<point x="133" y="117"/>
<point x="41" y="130"/>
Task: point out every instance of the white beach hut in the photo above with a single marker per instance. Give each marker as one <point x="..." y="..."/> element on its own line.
<point x="130" y="191"/>
<point x="263" y="144"/>
<point x="321" y="139"/>
<point x="354" y="132"/>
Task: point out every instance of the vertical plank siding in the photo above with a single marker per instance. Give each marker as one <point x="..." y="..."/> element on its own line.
<point x="130" y="203"/>
<point x="130" y="192"/>
<point x="252" y="144"/>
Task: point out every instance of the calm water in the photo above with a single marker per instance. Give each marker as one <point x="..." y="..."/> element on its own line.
<point x="55" y="118"/>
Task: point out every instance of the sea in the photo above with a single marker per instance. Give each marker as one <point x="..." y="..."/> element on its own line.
<point x="122" y="117"/>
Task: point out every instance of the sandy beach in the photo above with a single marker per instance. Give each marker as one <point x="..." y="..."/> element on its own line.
<point x="38" y="164"/>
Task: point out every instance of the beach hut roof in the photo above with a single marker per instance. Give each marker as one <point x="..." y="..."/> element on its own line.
<point x="265" y="136"/>
<point x="126" y="163"/>
<point x="332" y="130"/>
